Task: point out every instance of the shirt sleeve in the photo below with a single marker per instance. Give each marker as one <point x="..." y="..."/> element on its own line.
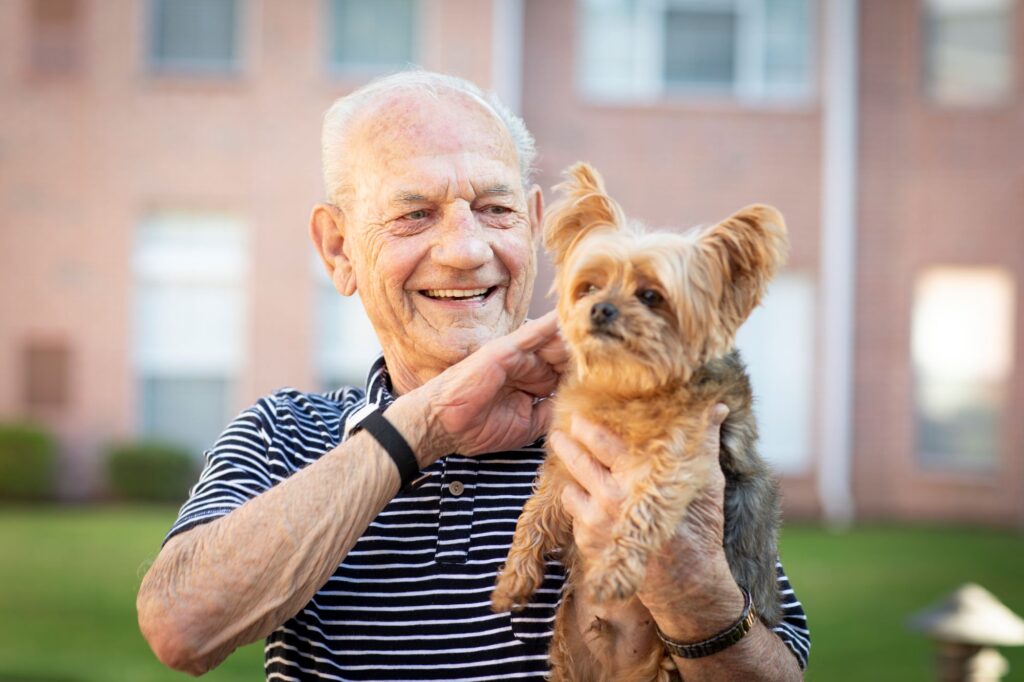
<point x="236" y="469"/>
<point x="792" y="629"/>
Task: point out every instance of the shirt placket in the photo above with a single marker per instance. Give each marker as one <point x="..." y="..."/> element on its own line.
<point x="455" y="521"/>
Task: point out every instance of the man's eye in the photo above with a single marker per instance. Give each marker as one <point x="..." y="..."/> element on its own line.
<point x="498" y="210"/>
<point x="416" y="215"/>
<point x="649" y="297"/>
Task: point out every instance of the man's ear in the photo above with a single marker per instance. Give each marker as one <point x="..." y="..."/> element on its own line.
<point x="327" y="230"/>
<point x="535" y="209"/>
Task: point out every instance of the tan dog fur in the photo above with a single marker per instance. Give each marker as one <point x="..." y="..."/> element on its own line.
<point x="649" y="375"/>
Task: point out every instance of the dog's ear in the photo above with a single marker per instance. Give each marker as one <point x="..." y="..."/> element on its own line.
<point x="745" y="250"/>
<point x="583" y="207"/>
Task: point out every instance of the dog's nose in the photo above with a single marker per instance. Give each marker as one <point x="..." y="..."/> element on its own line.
<point x="603" y="313"/>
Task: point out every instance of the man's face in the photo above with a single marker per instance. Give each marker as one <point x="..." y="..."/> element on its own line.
<point x="438" y="228"/>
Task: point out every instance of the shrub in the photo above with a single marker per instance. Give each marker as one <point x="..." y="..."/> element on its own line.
<point x="28" y="462"/>
<point x="151" y="471"/>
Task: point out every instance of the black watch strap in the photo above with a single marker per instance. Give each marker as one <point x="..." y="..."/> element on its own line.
<point x="723" y="640"/>
<point x="393" y="443"/>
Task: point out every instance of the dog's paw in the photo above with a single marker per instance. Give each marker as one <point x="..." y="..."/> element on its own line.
<point x="512" y="591"/>
<point x="613" y="583"/>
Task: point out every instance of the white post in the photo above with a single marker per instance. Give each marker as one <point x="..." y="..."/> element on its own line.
<point x="838" y="258"/>
<point x="507" y="52"/>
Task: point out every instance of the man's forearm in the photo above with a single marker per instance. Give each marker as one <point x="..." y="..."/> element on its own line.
<point x="233" y="581"/>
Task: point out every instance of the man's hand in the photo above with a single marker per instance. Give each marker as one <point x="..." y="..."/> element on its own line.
<point x="688" y="588"/>
<point x="690" y="566"/>
<point x="493" y="400"/>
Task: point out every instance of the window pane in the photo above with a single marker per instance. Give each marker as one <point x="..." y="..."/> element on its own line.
<point x="962" y="349"/>
<point x="194" y="34"/>
<point x="187" y="411"/>
<point x="608" y="47"/>
<point x="777" y="343"/>
<point x="56" y="35"/>
<point x="47" y="369"/>
<point x="969" y="59"/>
<point x="787" y="42"/>
<point x="346" y="344"/>
<point x="378" y="34"/>
<point x="190" y="323"/>
<point x="700" y="48"/>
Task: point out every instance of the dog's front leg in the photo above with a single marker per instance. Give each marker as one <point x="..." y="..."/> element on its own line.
<point x="543" y="526"/>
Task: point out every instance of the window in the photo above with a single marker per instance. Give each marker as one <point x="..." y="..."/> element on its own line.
<point x="56" y="36"/>
<point x="645" y="49"/>
<point x="777" y="343"/>
<point x="962" y="350"/>
<point x="345" y="343"/>
<point x="46" y="367"/>
<point x="198" y="36"/>
<point x="190" y="318"/>
<point x="968" y="51"/>
<point x="371" y="35"/>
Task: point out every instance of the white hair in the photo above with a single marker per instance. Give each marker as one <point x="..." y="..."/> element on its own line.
<point x="345" y="109"/>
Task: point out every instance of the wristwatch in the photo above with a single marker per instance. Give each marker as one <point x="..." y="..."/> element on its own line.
<point x="723" y="640"/>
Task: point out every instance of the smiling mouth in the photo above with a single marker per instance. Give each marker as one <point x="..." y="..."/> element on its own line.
<point x="458" y="294"/>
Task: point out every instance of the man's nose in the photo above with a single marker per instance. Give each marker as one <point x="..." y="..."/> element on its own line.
<point x="603" y="313"/>
<point x="462" y="244"/>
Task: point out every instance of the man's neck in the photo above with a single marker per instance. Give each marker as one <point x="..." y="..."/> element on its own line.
<point x="406" y="378"/>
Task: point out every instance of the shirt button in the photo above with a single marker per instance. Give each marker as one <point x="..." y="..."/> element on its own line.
<point x="456" y="488"/>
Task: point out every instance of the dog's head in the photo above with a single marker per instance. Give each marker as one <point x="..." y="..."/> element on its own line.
<point x="640" y="309"/>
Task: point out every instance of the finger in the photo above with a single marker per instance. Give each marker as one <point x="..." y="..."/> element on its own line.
<point x="576" y="501"/>
<point x="535" y="333"/>
<point x="540" y="419"/>
<point x="587" y="471"/>
<point x="554" y="352"/>
<point x="604" y="445"/>
<point x="718" y="413"/>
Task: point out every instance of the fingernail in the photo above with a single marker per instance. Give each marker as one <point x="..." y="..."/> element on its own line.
<point x="720" y="413"/>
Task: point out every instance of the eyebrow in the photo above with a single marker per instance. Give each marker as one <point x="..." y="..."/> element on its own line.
<point x="407" y="198"/>
<point x="497" y="190"/>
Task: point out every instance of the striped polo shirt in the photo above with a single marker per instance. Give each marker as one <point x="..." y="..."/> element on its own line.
<point x="411" y="600"/>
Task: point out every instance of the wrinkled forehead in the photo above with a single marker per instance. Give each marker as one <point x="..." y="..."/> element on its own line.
<point x="403" y="123"/>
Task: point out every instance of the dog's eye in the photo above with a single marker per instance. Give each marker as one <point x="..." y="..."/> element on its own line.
<point x="586" y="289"/>
<point x="649" y="297"/>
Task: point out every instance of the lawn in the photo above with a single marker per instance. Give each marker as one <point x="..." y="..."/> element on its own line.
<point x="68" y="578"/>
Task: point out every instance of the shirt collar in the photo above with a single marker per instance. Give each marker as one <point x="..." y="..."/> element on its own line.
<point x="378" y="385"/>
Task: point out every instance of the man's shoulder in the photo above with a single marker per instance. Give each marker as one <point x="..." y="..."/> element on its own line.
<point x="288" y="400"/>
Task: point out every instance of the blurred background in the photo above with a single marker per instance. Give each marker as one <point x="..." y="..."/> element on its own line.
<point x="159" y="160"/>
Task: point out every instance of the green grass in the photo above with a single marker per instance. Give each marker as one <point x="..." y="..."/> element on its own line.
<point x="68" y="578"/>
<point x="860" y="587"/>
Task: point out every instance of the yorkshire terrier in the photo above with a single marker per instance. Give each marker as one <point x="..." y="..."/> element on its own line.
<point x="650" y="320"/>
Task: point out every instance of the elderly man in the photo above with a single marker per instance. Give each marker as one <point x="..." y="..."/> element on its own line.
<point x="306" y="526"/>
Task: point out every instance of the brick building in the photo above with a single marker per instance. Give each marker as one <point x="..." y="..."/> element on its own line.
<point x="159" y="158"/>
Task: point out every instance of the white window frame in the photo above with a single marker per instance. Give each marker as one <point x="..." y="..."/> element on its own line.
<point x="928" y="84"/>
<point x="749" y="84"/>
<point x="156" y="264"/>
<point x="346" y="69"/>
<point x="198" y="68"/>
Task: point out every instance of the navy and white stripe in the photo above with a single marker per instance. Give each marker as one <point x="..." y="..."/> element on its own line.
<point x="411" y="601"/>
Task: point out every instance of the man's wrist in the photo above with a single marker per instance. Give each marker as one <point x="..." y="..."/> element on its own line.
<point x="411" y="415"/>
<point x="697" y="614"/>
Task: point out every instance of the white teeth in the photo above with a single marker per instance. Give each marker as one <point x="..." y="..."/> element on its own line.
<point x="455" y="293"/>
